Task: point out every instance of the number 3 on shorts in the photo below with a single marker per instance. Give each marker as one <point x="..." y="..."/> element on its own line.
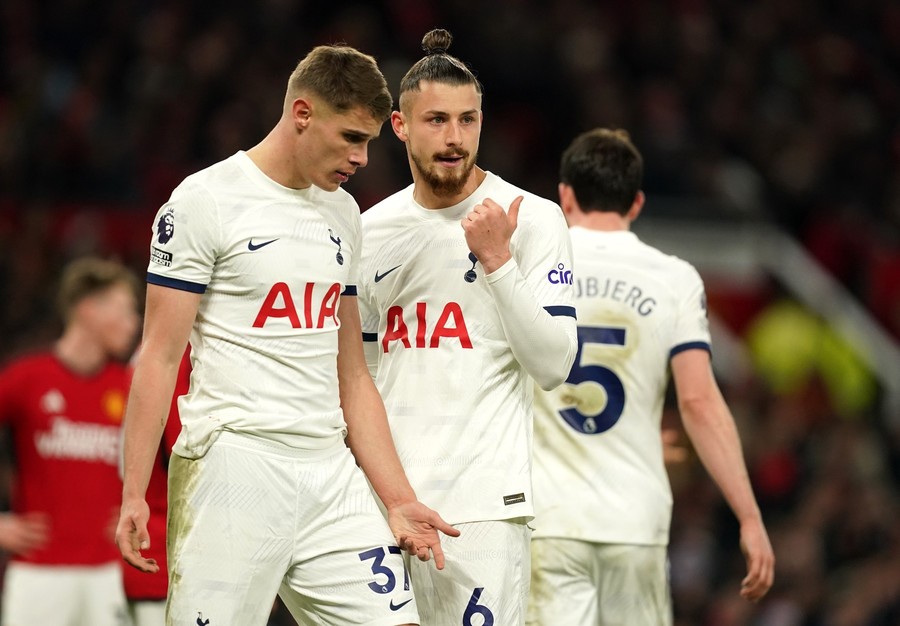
<point x="476" y="609"/>
<point x="378" y="568"/>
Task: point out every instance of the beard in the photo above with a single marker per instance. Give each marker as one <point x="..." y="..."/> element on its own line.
<point x="450" y="183"/>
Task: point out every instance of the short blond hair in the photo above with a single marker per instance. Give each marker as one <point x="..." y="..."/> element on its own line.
<point x="344" y="78"/>
<point x="89" y="275"/>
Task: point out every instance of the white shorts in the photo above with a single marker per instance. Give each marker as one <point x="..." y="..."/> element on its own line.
<point x="147" y="612"/>
<point x="484" y="581"/>
<point x="65" y="595"/>
<point x="579" y="583"/>
<point x="253" y="518"/>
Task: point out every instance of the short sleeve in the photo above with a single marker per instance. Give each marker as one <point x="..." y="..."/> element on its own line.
<point x="692" y="323"/>
<point x="185" y="240"/>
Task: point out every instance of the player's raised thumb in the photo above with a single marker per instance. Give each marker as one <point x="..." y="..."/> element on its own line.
<point x="514" y="211"/>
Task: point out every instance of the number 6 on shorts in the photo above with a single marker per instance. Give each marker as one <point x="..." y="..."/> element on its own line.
<point x="476" y="609"/>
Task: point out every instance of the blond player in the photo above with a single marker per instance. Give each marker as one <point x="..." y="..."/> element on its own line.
<point x="256" y="259"/>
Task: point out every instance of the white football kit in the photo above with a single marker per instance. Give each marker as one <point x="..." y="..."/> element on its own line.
<point x="262" y="439"/>
<point x="599" y="474"/>
<point x="450" y="347"/>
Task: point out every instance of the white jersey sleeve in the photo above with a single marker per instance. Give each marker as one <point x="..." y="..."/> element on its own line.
<point x="691" y="329"/>
<point x="543" y="250"/>
<point x="185" y="239"/>
<point x="534" y="303"/>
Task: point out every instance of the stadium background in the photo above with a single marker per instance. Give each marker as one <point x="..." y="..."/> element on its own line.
<point x="779" y="115"/>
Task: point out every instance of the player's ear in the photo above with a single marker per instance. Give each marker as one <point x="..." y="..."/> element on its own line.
<point x="566" y="198"/>
<point x="636" y="206"/>
<point x="301" y="111"/>
<point x="398" y="124"/>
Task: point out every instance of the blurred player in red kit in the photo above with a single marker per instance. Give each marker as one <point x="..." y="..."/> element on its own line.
<point x="64" y="409"/>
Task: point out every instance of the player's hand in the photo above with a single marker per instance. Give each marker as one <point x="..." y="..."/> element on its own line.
<point x="489" y="229"/>
<point x="415" y="529"/>
<point x="760" y="561"/>
<point x="21" y="534"/>
<point x="132" y="535"/>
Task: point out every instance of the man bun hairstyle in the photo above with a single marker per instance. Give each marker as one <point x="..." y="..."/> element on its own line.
<point x="436" y="41"/>
<point x="344" y="78"/>
<point x="604" y="169"/>
<point x="437" y="65"/>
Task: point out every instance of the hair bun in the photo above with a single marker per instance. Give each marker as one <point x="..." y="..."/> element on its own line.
<point x="436" y="41"/>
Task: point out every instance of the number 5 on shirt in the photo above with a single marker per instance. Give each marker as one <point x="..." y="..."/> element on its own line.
<point x="586" y="377"/>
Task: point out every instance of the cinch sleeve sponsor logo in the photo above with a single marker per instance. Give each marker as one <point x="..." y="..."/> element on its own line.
<point x="560" y="275"/>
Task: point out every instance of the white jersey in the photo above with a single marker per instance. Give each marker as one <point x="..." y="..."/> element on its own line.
<point x="271" y="263"/>
<point x="599" y="471"/>
<point x="458" y="401"/>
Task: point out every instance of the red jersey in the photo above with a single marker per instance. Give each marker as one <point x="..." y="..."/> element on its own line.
<point x="140" y="585"/>
<point x="65" y="433"/>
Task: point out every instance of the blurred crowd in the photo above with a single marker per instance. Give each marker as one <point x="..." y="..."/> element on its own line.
<point x="780" y="110"/>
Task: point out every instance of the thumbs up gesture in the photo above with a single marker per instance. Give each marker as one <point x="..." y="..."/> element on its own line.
<point x="489" y="229"/>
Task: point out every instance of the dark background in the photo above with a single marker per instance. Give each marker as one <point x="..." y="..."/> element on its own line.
<point x="783" y="112"/>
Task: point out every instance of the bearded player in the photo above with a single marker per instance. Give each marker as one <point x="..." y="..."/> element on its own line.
<point x="465" y="294"/>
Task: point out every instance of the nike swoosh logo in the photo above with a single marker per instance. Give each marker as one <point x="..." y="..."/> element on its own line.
<point x="256" y="246"/>
<point x="397" y="607"/>
<point x="378" y="276"/>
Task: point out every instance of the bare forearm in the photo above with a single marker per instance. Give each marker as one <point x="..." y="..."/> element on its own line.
<point x="712" y="431"/>
<point x="369" y="438"/>
<point x="368" y="434"/>
<point x="145" y="419"/>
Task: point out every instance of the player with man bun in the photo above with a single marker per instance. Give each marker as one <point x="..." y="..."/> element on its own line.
<point x="466" y="301"/>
